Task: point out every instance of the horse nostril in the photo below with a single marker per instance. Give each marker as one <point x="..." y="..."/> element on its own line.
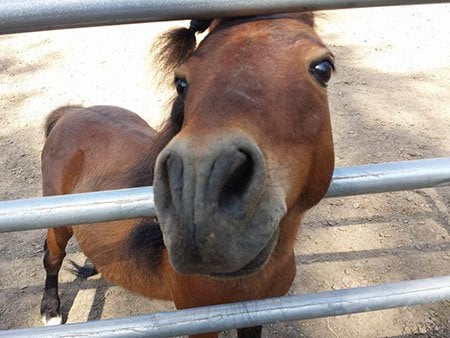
<point x="227" y="180"/>
<point x="233" y="195"/>
<point x="239" y="179"/>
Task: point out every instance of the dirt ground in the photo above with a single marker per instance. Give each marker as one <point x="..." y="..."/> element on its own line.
<point x="390" y="101"/>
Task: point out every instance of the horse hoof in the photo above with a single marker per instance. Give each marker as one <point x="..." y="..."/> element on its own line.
<point x="52" y="321"/>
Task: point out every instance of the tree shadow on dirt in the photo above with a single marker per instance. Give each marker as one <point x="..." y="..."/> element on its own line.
<point x="18" y="159"/>
<point x="15" y="65"/>
<point x="68" y="291"/>
<point x="372" y="123"/>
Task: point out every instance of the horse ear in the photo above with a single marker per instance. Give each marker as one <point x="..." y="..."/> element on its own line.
<point x="200" y="25"/>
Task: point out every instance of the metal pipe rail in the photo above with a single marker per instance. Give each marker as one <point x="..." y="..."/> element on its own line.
<point x="56" y="211"/>
<point x="391" y="176"/>
<point x="35" y="15"/>
<point x="252" y="313"/>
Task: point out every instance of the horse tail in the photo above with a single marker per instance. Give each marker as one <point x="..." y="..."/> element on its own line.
<point x="55" y="115"/>
<point x="82" y="271"/>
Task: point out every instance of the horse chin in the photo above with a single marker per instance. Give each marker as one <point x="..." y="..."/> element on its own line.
<point x="254" y="266"/>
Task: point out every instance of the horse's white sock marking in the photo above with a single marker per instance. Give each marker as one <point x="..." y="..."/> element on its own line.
<point x="52" y="321"/>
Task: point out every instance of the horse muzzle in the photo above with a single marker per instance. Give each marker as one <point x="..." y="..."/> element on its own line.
<point x="217" y="210"/>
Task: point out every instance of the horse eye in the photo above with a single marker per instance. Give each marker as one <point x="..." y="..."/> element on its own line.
<point x="322" y="71"/>
<point x="181" y="85"/>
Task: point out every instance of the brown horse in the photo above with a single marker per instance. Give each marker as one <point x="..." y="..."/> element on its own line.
<point x="246" y="151"/>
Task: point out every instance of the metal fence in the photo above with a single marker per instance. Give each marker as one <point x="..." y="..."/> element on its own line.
<point x="31" y="15"/>
<point x="38" y="213"/>
<point x="252" y="313"/>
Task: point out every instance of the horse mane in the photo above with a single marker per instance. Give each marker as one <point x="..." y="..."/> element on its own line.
<point x="145" y="242"/>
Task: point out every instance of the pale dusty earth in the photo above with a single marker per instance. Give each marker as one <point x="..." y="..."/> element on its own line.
<point x="390" y="101"/>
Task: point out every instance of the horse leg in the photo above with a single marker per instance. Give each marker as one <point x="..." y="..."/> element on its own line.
<point x="249" y="332"/>
<point x="54" y="253"/>
<point x="187" y="293"/>
<point x="245" y="332"/>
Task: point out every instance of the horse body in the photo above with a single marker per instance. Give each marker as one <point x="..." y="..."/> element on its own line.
<point x="246" y="152"/>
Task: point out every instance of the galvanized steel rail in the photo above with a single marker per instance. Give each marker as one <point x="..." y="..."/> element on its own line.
<point x="252" y="313"/>
<point x="56" y="211"/>
<point x="34" y="15"/>
<point x="91" y="207"/>
<point x="393" y="176"/>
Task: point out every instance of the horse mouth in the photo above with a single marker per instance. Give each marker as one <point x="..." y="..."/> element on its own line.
<point x="255" y="265"/>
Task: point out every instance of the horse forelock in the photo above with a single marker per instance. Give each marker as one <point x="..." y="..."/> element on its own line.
<point x="174" y="46"/>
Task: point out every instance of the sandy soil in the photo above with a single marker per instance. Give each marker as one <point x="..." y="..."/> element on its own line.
<point x="390" y="101"/>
